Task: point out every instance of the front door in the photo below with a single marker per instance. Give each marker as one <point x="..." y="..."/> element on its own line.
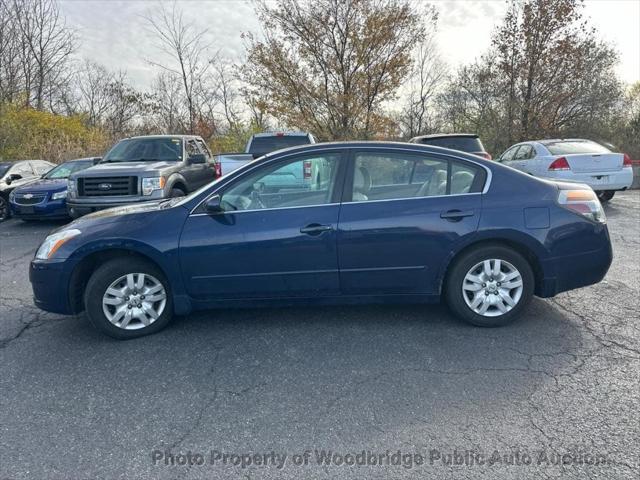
<point x="406" y="212"/>
<point x="276" y="237"/>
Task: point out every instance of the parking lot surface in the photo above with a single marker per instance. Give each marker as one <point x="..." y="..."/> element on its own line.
<point x="327" y="392"/>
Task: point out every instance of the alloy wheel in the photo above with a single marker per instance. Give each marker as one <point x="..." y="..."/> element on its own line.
<point x="492" y="287"/>
<point x="134" y="301"/>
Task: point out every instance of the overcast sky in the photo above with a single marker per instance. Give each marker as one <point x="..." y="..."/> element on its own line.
<point x="113" y="32"/>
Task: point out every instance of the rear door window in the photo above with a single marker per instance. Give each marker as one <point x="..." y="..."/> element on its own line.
<point x="509" y="154"/>
<point x="525" y="152"/>
<point x="397" y="175"/>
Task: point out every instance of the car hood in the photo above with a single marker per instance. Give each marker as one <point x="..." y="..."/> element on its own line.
<point x="123" y="168"/>
<point x="43" y="185"/>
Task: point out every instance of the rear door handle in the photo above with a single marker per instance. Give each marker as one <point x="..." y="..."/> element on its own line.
<point x="315" y="229"/>
<point x="456" y="215"/>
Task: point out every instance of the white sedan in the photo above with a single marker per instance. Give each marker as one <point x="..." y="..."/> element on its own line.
<point x="575" y="160"/>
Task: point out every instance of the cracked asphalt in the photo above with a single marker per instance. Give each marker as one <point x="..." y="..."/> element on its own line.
<point x="555" y="395"/>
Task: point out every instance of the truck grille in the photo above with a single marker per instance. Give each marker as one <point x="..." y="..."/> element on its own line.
<point x="107" y="186"/>
<point x="28" y="198"/>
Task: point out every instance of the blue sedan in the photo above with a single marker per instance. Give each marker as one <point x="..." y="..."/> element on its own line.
<point x="46" y="198"/>
<point x="380" y="222"/>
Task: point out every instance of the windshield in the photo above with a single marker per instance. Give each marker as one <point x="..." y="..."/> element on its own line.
<point x="3" y="169"/>
<point x="146" y="149"/>
<point x="262" y="145"/>
<point x="66" y="169"/>
<point x="567" y="148"/>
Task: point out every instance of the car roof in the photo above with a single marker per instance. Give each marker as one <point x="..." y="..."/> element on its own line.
<point x="13" y="162"/>
<point x="444" y="135"/>
<point x="558" y="140"/>
<point x="162" y="136"/>
<point x="281" y="134"/>
<point x="418" y="147"/>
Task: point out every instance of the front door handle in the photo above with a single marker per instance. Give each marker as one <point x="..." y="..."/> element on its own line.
<point x="456" y="215"/>
<point x="316" y="229"/>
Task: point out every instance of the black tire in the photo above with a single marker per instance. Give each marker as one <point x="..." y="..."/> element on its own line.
<point x="177" y="192"/>
<point x="605" y="195"/>
<point x="103" y="277"/>
<point x="5" y="212"/>
<point x="461" y="266"/>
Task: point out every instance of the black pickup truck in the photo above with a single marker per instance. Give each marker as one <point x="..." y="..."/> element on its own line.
<point x="139" y="169"/>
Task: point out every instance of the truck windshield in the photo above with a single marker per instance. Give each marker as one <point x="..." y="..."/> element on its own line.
<point x="264" y="145"/>
<point x="146" y="149"/>
<point x="66" y="169"/>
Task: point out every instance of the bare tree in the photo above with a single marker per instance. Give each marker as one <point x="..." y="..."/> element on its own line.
<point x="169" y="115"/>
<point x="48" y="45"/>
<point x="185" y="45"/>
<point x="11" y="80"/>
<point x="426" y="80"/>
<point x="93" y="85"/>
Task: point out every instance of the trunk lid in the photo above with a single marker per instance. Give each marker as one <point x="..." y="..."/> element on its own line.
<point x="594" y="162"/>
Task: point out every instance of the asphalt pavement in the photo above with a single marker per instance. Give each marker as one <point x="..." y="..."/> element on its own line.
<point x="361" y="392"/>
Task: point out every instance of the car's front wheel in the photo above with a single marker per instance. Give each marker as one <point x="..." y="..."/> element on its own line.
<point x="489" y="286"/>
<point x="128" y="298"/>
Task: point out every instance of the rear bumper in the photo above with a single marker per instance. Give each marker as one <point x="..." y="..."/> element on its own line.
<point x="618" y="180"/>
<point x="49" y="281"/>
<point x="575" y="271"/>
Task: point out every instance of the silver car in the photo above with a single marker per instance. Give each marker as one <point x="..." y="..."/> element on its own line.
<point x="575" y="160"/>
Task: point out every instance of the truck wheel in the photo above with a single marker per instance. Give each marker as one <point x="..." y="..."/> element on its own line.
<point x="489" y="286"/>
<point x="128" y="298"/>
<point x="605" y="195"/>
<point x="176" y="192"/>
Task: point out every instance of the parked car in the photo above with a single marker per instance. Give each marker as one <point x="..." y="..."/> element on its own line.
<point x="46" y="198"/>
<point x="464" y="142"/>
<point x="393" y="222"/>
<point x="140" y="169"/>
<point x="574" y="160"/>
<point x="16" y="174"/>
<point x="260" y="144"/>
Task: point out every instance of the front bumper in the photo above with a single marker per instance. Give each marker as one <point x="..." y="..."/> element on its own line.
<point x="50" y="283"/>
<point x="48" y="210"/>
<point x="77" y="207"/>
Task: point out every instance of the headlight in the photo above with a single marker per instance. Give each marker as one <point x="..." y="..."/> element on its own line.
<point x="59" y="195"/>
<point x="151" y="184"/>
<point x="71" y="187"/>
<point x="53" y="242"/>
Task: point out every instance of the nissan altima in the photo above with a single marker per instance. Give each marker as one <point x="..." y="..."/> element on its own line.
<point x="379" y="222"/>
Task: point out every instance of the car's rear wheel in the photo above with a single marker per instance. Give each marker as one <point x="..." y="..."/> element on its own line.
<point x="4" y="209"/>
<point x="605" y="195"/>
<point x="128" y="298"/>
<point x="489" y="286"/>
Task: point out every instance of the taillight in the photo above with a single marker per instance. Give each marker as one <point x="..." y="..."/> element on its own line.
<point x="559" y="164"/>
<point x="217" y="167"/>
<point x="584" y="202"/>
<point x="306" y="166"/>
<point x="626" y="162"/>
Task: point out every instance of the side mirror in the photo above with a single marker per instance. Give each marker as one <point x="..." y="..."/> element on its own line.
<point x="197" y="158"/>
<point x="214" y="205"/>
<point x="13" y="177"/>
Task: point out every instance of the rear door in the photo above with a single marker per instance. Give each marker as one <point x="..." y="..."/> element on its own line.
<point x="195" y="173"/>
<point x="524" y="159"/>
<point x="402" y="214"/>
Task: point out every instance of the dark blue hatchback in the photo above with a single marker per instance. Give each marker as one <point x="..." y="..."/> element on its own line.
<point x="370" y="222"/>
<point x="46" y="198"/>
